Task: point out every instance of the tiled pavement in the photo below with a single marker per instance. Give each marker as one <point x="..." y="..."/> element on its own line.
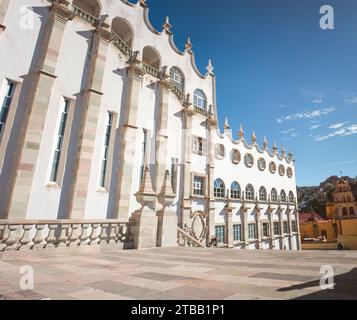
<point x="166" y="274"/>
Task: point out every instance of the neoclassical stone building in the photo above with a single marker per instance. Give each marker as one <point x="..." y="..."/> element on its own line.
<point x="109" y="133"/>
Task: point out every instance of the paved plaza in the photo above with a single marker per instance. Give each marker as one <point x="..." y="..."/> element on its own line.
<point x="193" y="274"/>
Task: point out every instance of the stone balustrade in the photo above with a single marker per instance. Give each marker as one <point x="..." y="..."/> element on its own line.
<point x="31" y="234"/>
<point x="121" y="45"/>
<point x="150" y="70"/>
<point x="179" y="94"/>
<point x="184" y="239"/>
<point x="85" y="15"/>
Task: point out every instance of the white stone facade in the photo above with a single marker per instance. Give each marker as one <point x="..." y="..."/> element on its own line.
<point x="90" y="61"/>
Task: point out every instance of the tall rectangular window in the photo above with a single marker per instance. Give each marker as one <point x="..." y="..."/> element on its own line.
<point x="198" y="185"/>
<point x="293" y="226"/>
<point x="285" y="226"/>
<point x="266" y="230"/>
<point x="251" y="231"/>
<point x="198" y="145"/>
<point x="174" y="171"/>
<point x="237" y="232"/>
<point x="108" y="131"/>
<point x="143" y="153"/>
<point x="59" y="139"/>
<point x="5" y="103"/>
<point x="276" y="228"/>
<point x="220" y="234"/>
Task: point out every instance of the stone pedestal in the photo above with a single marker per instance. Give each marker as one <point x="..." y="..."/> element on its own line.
<point x="167" y="229"/>
<point x="145" y="229"/>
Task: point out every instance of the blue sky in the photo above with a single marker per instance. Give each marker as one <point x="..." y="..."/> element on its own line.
<point x="279" y="74"/>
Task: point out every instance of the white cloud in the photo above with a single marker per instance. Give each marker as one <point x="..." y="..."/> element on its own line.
<point x="337" y="125"/>
<point x="288" y="131"/>
<point x="315" y="127"/>
<point x="306" y="115"/>
<point x="345" y="131"/>
<point x="351" y="100"/>
<point x="338" y="164"/>
<point x="317" y="101"/>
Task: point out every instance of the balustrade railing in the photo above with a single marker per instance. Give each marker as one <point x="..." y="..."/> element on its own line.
<point x="184" y="239"/>
<point x="84" y="15"/>
<point x="121" y="45"/>
<point x="179" y="94"/>
<point x="200" y="110"/>
<point x="17" y="235"/>
<point x="150" y="70"/>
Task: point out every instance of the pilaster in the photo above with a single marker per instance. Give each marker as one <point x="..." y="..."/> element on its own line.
<point x="20" y="162"/>
<point x="89" y="104"/>
<point x="229" y="225"/>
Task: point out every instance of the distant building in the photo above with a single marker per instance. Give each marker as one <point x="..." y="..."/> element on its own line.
<point x="341" y="223"/>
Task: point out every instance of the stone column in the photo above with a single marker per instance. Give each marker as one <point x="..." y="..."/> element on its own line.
<point x="167" y="218"/>
<point x="128" y="135"/>
<point x="229" y="226"/>
<point x="289" y="227"/>
<point x="144" y="221"/>
<point x="271" y="222"/>
<point x="210" y="204"/>
<point x="89" y="104"/>
<point x="244" y="219"/>
<point x="259" y="226"/>
<point x="297" y="219"/>
<point x="186" y="201"/>
<point x="4" y="6"/>
<point x="20" y="162"/>
<point x="281" y="226"/>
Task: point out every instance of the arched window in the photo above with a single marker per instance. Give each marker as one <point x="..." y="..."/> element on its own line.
<point x="274" y="195"/>
<point x="199" y="99"/>
<point x="291" y="197"/>
<point x="249" y="192"/>
<point x="178" y="78"/>
<point x="262" y="194"/>
<point x="352" y="211"/>
<point x="123" y="30"/>
<point x="91" y="7"/>
<point x="151" y="57"/>
<point x="235" y="190"/>
<point x="283" y="196"/>
<point x="219" y="189"/>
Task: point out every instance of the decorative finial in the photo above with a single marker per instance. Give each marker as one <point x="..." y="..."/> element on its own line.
<point x="265" y="143"/>
<point x="226" y="124"/>
<point x="210" y="68"/>
<point x="167" y="26"/>
<point x="283" y="151"/>
<point x="188" y="45"/>
<point x="290" y="155"/>
<point x="254" y="138"/>
<point x="275" y="148"/>
<point x="241" y="132"/>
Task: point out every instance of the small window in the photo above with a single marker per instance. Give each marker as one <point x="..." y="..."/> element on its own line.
<point x="249" y="160"/>
<point x="274" y="195"/>
<point x="276" y="228"/>
<point x="198" y="186"/>
<point x="177" y="78"/>
<point x="143" y="154"/>
<point x="281" y="170"/>
<point x="235" y="190"/>
<point x="283" y="196"/>
<point x="262" y="164"/>
<point x="285" y="227"/>
<point x="237" y="233"/>
<point x="236" y="157"/>
<point x="59" y="139"/>
<point x="219" y="189"/>
<point x="265" y="230"/>
<point x="291" y="197"/>
<point x="220" y="234"/>
<point x="272" y="167"/>
<point x="6" y="97"/>
<point x="249" y="192"/>
<point x="220" y="151"/>
<point x="197" y="145"/>
<point x="251" y="231"/>
<point x="199" y="99"/>
<point x="262" y="194"/>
